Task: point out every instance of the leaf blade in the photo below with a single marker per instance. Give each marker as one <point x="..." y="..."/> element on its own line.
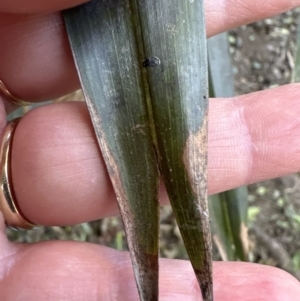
<point x="174" y="32"/>
<point x="103" y="42"/>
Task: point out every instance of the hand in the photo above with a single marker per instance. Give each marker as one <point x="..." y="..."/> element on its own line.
<point x="59" y="178"/>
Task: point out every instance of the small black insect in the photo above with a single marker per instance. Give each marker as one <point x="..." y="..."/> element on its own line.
<point x="152" y="61"/>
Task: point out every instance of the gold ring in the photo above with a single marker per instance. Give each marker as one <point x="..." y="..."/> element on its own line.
<point x="13" y="98"/>
<point x="10" y="210"/>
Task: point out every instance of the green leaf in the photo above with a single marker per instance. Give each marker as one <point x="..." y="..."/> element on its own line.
<point x="221" y="230"/>
<point x="253" y="211"/>
<point x="104" y="44"/>
<point x="174" y="32"/>
<point x="221" y="78"/>
<point x="143" y="69"/>
<point x="296" y="71"/>
<point x="228" y="209"/>
<point x="229" y="223"/>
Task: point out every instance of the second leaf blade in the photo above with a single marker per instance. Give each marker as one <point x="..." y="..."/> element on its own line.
<point x="174" y="39"/>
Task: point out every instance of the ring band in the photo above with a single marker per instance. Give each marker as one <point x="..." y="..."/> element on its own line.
<point x="13" y="98"/>
<point x="12" y="215"/>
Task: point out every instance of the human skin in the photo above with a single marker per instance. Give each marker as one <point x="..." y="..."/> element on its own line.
<point x="251" y="138"/>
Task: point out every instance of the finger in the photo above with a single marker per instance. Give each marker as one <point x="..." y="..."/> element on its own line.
<point x="60" y="179"/>
<point x="246" y="8"/>
<point x="80" y="271"/>
<point x="36" y="62"/>
<point x="222" y="15"/>
<point x="37" y="6"/>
